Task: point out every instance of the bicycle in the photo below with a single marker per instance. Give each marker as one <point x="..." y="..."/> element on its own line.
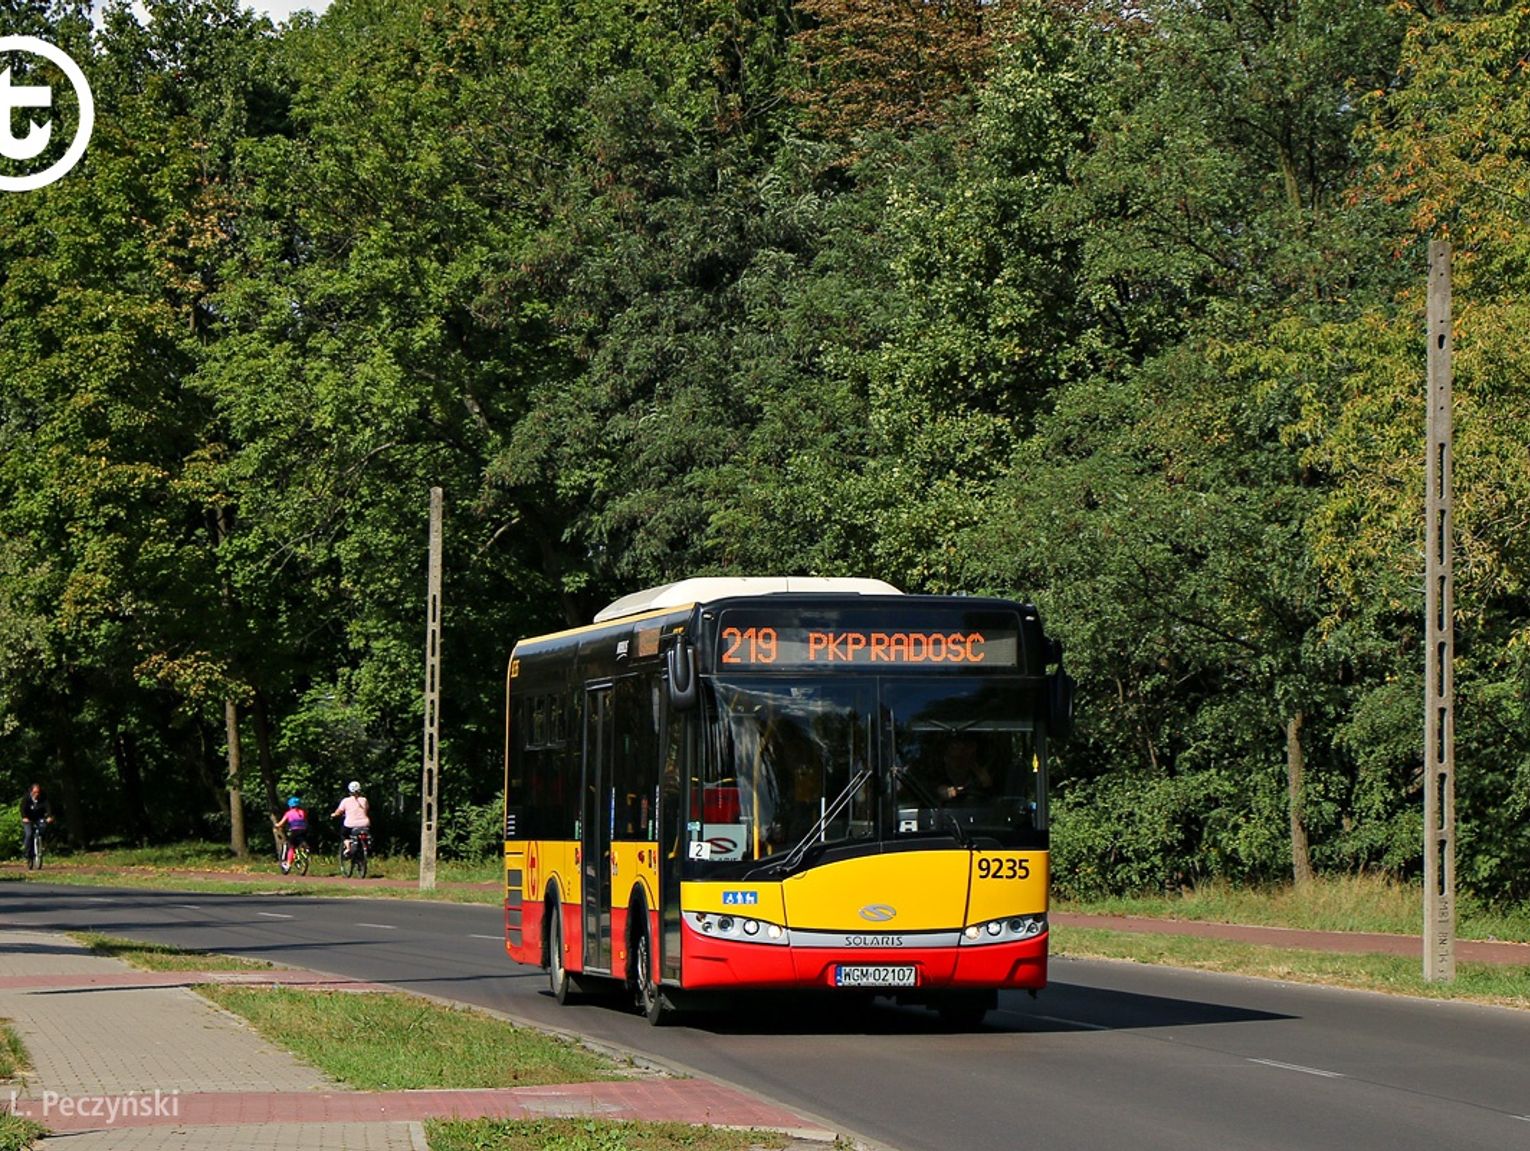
<point x="299" y="859"/>
<point x="354" y="849"/>
<point x="35" y="852"/>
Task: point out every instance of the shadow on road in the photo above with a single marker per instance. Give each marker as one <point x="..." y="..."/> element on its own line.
<point x="1062" y="1009"/>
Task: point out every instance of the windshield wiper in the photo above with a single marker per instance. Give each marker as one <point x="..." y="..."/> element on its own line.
<point x="795" y="855"/>
<point x="923" y="793"/>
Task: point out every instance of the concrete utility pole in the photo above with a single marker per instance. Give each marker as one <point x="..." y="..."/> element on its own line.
<point x="1439" y="642"/>
<point x="430" y="778"/>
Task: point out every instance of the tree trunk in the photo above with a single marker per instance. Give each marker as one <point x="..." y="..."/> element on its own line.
<point x="73" y="817"/>
<point x="1301" y="855"/>
<point x="125" y="751"/>
<point x="199" y="755"/>
<point x="222" y="528"/>
<point x="236" y="840"/>
<point x="262" y="715"/>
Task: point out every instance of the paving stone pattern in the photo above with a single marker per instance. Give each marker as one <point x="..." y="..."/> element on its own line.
<point x="135" y="1061"/>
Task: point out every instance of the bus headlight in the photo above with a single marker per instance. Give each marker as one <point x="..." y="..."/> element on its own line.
<point x="1011" y="929"/>
<point x="733" y="927"/>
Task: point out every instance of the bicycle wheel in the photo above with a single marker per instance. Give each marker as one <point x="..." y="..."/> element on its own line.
<point x="300" y="861"/>
<point x="347" y="861"/>
<point x="361" y="863"/>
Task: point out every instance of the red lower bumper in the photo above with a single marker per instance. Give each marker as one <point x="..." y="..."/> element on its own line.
<point x="712" y="962"/>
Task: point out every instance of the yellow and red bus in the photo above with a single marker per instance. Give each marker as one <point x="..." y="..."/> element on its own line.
<point x="784" y="783"/>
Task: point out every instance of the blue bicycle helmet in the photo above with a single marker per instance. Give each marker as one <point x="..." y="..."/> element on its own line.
<point x="294" y="802"/>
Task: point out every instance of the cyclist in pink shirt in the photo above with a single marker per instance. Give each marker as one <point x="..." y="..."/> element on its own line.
<point x="353" y="809"/>
<point x="357" y="819"/>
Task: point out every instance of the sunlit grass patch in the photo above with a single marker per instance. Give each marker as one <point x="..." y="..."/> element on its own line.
<point x="161" y="957"/>
<point x="13" y="1053"/>
<point x="17" y="1134"/>
<point x="390" y="1041"/>
<point x="591" y="1135"/>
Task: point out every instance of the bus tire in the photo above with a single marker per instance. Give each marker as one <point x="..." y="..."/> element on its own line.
<point x="559" y="982"/>
<point x="652" y="1003"/>
<point x="965" y="1010"/>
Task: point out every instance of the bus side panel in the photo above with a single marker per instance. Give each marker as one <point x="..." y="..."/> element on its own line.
<point x="549" y="867"/>
<point x="634" y="865"/>
<point x="523" y="933"/>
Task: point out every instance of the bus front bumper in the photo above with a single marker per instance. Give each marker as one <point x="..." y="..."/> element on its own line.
<point x="710" y="962"/>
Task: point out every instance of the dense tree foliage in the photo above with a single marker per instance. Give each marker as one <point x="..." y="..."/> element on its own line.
<point x="1119" y="310"/>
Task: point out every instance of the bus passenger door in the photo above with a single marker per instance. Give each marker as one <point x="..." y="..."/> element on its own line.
<point x="595" y="825"/>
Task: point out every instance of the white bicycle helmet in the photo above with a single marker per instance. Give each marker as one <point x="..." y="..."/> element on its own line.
<point x="354" y="787"/>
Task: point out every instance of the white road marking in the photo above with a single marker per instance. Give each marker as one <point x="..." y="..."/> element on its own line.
<point x="379" y="926"/>
<point x="496" y="938"/>
<point x="1298" y="1067"/>
<point x="273" y="915"/>
<point x="190" y="906"/>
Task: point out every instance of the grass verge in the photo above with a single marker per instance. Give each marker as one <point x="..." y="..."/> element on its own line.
<point x="18" y="1134"/>
<point x="276" y="884"/>
<point x="1396" y="974"/>
<point x="1333" y="903"/>
<point x="159" y="957"/>
<point x="386" y="1042"/>
<point x="589" y="1135"/>
<point x="203" y="856"/>
<point x="13" y="1054"/>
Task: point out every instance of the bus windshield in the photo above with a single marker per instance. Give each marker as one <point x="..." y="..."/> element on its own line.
<point x="794" y="764"/>
<point x="965" y="760"/>
<point x="779" y="756"/>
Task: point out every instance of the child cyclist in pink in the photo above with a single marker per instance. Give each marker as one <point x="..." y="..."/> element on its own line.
<point x="294" y="825"/>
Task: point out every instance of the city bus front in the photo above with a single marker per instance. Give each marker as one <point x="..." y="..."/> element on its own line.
<point x="867" y="801"/>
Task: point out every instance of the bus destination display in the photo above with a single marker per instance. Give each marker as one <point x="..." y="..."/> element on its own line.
<point x="804" y="646"/>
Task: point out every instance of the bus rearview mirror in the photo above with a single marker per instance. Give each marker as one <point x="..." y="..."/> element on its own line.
<point x="680" y="661"/>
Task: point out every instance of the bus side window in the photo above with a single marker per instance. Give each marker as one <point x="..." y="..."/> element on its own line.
<point x="636" y="764"/>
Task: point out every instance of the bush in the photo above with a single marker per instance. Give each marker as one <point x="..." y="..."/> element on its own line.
<point x="10" y="832"/>
<point x="1119" y="835"/>
<point x="473" y="832"/>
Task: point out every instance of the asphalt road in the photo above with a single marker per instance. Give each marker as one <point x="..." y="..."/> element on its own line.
<point x="1110" y="1056"/>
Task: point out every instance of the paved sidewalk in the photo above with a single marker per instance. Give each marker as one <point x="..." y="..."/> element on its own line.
<point x="126" y="1060"/>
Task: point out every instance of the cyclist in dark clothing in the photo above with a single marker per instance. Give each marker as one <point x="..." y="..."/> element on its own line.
<point x="34" y="814"/>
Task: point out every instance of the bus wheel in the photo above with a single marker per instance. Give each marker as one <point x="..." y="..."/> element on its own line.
<point x="964" y="1010"/>
<point x="651" y="1000"/>
<point x="558" y="980"/>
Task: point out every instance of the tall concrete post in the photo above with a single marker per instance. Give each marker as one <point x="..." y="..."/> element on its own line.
<point x="430" y="777"/>
<point x="1439" y="641"/>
